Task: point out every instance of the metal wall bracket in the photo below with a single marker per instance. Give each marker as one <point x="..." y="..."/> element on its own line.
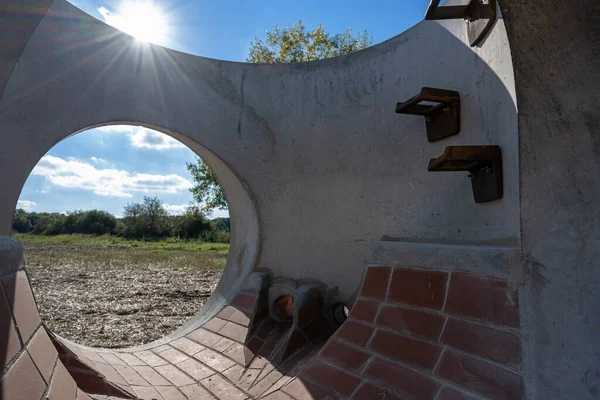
<point x="441" y="119"/>
<point x="480" y="16"/>
<point x="484" y="164"/>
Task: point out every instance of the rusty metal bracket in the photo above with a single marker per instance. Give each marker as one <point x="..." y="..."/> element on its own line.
<point x="441" y="119"/>
<point x="484" y="164"/>
<point x="479" y="15"/>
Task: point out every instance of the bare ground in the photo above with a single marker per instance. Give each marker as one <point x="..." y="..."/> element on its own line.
<point x="106" y="296"/>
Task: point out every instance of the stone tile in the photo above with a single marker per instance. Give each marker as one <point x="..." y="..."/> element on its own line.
<point x="197" y="392"/>
<point x="234" y="331"/>
<point x="234" y="373"/>
<point x="415" y="384"/>
<point x="277" y="396"/>
<point x="204" y="337"/>
<point x="150" y="375"/>
<point x="95" y="357"/>
<point x="376" y="281"/>
<point x="195" y="369"/>
<point x="248" y="378"/>
<point x="412" y="322"/>
<point x="244" y="300"/>
<point x="81" y="395"/>
<point x="226" y="312"/>
<point x="486" y="342"/>
<point x="305" y="390"/>
<point x="266" y="383"/>
<point x="330" y="377"/>
<point x="170" y="393"/>
<point x="43" y="353"/>
<point x="240" y="317"/>
<point x="267" y="368"/>
<point x="150" y="358"/>
<point x="419" y="288"/>
<point x="131" y="376"/>
<point x="214" y="360"/>
<point x="22" y="381"/>
<point x="62" y="385"/>
<point x="174" y="375"/>
<point x="237" y="353"/>
<point x="8" y="334"/>
<point x="259" y="362"/>
<point x="406" y="349"/>
<point x="111" y="374"/>
<point x="112" y="359"/>
<point x="449" y="393"/>
<point x="368" y="391"/>
<point x="147" y="393"/>
<point x="223" y="344"/>
<point x="222" y="389"/>
<point x="344" y="356"/>
<point x="280" y="383"/>
<point x="187" y="346"/>
<point x="160" y="349"/>
<point x="22" y="303"/>
<point x="364" y="310"/>
<point x="130" y="359"/>
<point x="480" y="376"/>
<point x="355" y="332"/>
<point x="214" y="324"/>
<point x="174" y="356"/>
<point x="484" y="298"/>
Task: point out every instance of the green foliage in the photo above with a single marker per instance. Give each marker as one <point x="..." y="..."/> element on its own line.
<point x="206" y="191"/>
<point x="93" y="222"/>
<point x="166" y="244"/>
<point x="296" y="44"/>
<point x="147" y="221"/>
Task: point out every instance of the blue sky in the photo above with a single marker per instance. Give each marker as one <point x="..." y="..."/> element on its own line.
<point x="109" y="167"/>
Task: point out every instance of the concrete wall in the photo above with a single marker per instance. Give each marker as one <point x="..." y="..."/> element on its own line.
<point x="328" y="163"/>
<point x="556" y="57"/>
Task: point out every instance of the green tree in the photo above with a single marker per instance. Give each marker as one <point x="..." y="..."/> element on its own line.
<point x="206" y="190"/>
<point x="148" y="219"/>
<point x="296" y="44"/>
<point x="21" y="222"/>
<point x="288" y="45"/>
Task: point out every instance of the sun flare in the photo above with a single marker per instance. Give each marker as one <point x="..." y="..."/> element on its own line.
<point x="142" y="19"/>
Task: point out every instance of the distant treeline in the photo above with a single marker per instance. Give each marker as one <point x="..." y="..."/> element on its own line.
<point x="147" y="220"/>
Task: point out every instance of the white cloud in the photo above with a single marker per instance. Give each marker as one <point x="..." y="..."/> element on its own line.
<point x="176" y="209"/>
<point x="144" y="138"/>
<point x="26" y="204"/>
<point x="96" y="160"/>
<point x="149" y="139"/>
<point x="76" y="174"/>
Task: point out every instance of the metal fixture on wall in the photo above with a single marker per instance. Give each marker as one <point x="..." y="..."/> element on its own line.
<point x="479" y="16"/>
<point x="441" y="119"/>
<point x="484" y="164"/>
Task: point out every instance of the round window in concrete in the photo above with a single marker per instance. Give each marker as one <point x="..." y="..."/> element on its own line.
<point x="126" y="233"/>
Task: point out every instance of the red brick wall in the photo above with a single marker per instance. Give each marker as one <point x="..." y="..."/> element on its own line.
<point x="423" y="334"/>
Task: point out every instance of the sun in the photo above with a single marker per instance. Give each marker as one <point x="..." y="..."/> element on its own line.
<point x="142" y="19"/>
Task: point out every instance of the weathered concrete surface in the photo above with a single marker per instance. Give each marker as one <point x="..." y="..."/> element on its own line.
<point x="329" y="165"/>
<point x="18" y="21"/>
<point x="316" y="165"/>
<point x="557" y="68"/>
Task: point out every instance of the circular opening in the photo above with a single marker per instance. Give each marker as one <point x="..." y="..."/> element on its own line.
<point x="126" y="234"/>
<point x="284" y="308"/>
<point x="340" y="313"/>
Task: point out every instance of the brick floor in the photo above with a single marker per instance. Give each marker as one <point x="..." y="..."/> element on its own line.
<point x="403" y="339"/>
